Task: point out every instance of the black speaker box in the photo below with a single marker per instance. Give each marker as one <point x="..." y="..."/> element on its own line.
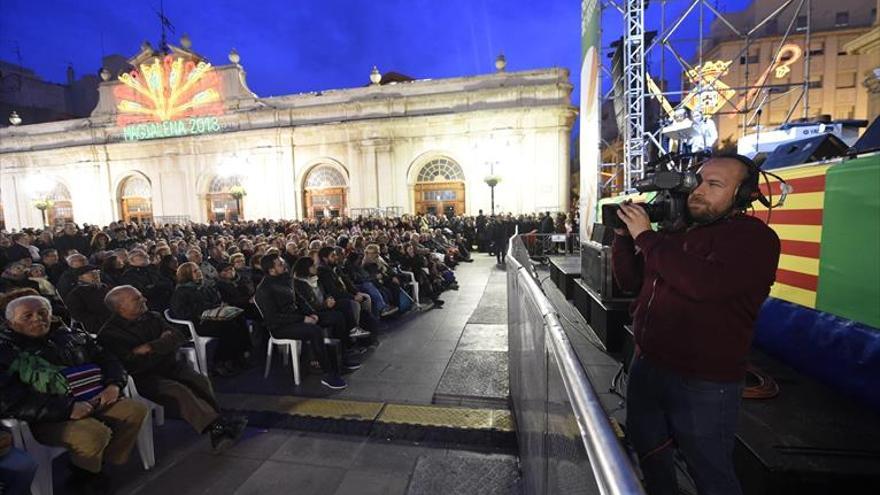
<point x="870" y="140"/>
<point x="807" y="150"/>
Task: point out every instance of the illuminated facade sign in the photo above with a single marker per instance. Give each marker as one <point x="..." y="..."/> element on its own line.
<point x="192" y="126"/>
<point x="168" y="97"/>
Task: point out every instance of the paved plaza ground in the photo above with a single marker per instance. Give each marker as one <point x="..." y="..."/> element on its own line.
<point x="451" y="359"/>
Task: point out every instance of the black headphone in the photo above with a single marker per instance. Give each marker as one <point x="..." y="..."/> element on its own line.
<point x="748" y="190"/>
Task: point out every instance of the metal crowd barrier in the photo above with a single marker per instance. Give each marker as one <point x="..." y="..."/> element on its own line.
<point x="566" y="442"/>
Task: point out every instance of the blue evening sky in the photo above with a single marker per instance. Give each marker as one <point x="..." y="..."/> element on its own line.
<point x="298" y="45"/>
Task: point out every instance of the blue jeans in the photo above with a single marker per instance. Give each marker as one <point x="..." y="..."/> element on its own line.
<point x="17" y="470"/>
<point x="379" y="303"/>
<point x="667" y="411"/>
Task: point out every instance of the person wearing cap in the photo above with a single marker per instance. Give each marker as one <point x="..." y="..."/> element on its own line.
<point x="85" y="301"/>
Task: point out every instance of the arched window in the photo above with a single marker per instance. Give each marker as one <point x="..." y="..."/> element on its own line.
<point x="440" y="170"/>
<point x="61" y="210"/>
<point x="225" y="196"/>
<point x="224" y="184"/>
<point x="135" y="199"/>
<point x="324" y="176"/>
<point x="136" y="187"/>
<point x="439" y="188"/>
<point x="325" y="192"/>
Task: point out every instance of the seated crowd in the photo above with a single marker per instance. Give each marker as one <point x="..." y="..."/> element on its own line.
<point x="88" y="310"/>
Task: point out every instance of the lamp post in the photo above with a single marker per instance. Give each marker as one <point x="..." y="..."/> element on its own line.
<point x="43" y="205"/>
<point x="237" y="192"/>
<point x="40" y="188"/>
<point x="492" y="180"/>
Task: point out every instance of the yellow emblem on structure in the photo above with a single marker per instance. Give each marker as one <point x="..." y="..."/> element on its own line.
<point x="709" y="93"/>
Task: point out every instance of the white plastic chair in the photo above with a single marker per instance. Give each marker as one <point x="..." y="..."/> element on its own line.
<point x="199" y="342"/>
<point x="415" y="288"/>
<point x="145" y="444"/>
<point x="293" y="349"/>
<point x="23" y="439"/>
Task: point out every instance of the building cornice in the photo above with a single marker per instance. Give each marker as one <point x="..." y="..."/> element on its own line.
<point x="866" y="43"/>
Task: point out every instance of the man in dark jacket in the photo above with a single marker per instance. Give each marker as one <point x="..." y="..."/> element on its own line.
<point x="276" y="301"/>
<point x="85" y="301"/>
<point x="71" y="239"/>
<point x="147" y="345"/>
<point x="54" y="266"/>
<point x="334" y="284"/>
<point x="19" y="248"/>
<point x="699" y="292"/>
<point x="68" y="279"/>
<point x="67" y="388"/>
<point x="146" y="278"/>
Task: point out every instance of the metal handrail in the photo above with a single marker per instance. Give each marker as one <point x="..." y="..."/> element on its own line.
<point x="612" y="468"/>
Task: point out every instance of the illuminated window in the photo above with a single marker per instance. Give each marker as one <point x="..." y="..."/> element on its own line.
<point x="801" y="23"/>
<point x="841" y="19"/>
<point x="222" y="185"/>
<point x="440" y="170"/>
<point x="136" y="187"/>
<point x="324" y="176"/>
<point x="815" y="82"/>
<point x="817" y="49"/>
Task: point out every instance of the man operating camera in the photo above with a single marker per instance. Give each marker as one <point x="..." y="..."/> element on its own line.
<point x="699" y="292"/>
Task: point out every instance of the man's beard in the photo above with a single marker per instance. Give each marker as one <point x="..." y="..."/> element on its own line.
<point x="705" y="214"/>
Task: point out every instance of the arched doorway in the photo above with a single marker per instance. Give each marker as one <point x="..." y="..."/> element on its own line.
<point x="136" y="199"/>
<point x="325" y="192"/>
<point x="222" y="205"/>
<point x="61" y="209"/>
<point x="439" y="188"/>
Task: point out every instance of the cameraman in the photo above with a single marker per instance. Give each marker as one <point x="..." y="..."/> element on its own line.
<point x="699" y="293"/>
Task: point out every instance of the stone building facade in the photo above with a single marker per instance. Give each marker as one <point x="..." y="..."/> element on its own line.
<point x="423" y="145"/>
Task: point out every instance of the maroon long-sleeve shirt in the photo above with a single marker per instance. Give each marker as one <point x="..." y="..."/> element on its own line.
<point x="699" y="293"/>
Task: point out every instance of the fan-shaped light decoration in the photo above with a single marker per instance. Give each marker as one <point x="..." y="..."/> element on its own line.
<point x="168" y="88"/>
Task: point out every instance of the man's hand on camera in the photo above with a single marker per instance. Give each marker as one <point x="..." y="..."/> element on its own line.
<point x="635" y="218"/>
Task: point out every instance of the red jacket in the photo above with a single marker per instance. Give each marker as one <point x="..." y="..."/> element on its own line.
<point x="699" y="293"/>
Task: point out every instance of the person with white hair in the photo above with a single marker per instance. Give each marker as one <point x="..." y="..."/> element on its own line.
<point x="68" y="389"/>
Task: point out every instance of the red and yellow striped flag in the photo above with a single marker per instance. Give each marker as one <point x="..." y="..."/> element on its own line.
<point x="798" y="223"/>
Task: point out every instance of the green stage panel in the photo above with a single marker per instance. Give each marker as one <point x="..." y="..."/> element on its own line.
<point x="849" y="272"/>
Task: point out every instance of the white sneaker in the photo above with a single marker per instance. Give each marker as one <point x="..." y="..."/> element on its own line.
<point x="358" y="332"/>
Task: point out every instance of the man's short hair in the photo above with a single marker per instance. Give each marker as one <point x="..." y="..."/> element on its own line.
<point x="111" y="299"/>
<point x="10" y="308"/>
<point x="267" y="262"/>
<point x="325" y="252"/>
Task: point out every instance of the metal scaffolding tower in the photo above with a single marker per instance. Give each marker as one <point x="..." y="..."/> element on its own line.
<point x="749" y="99"/>
<point x="634" y="92"/>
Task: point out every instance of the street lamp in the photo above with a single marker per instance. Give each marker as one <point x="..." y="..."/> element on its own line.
<point x="237" y="192"/>
<point x="492" y="180"/>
